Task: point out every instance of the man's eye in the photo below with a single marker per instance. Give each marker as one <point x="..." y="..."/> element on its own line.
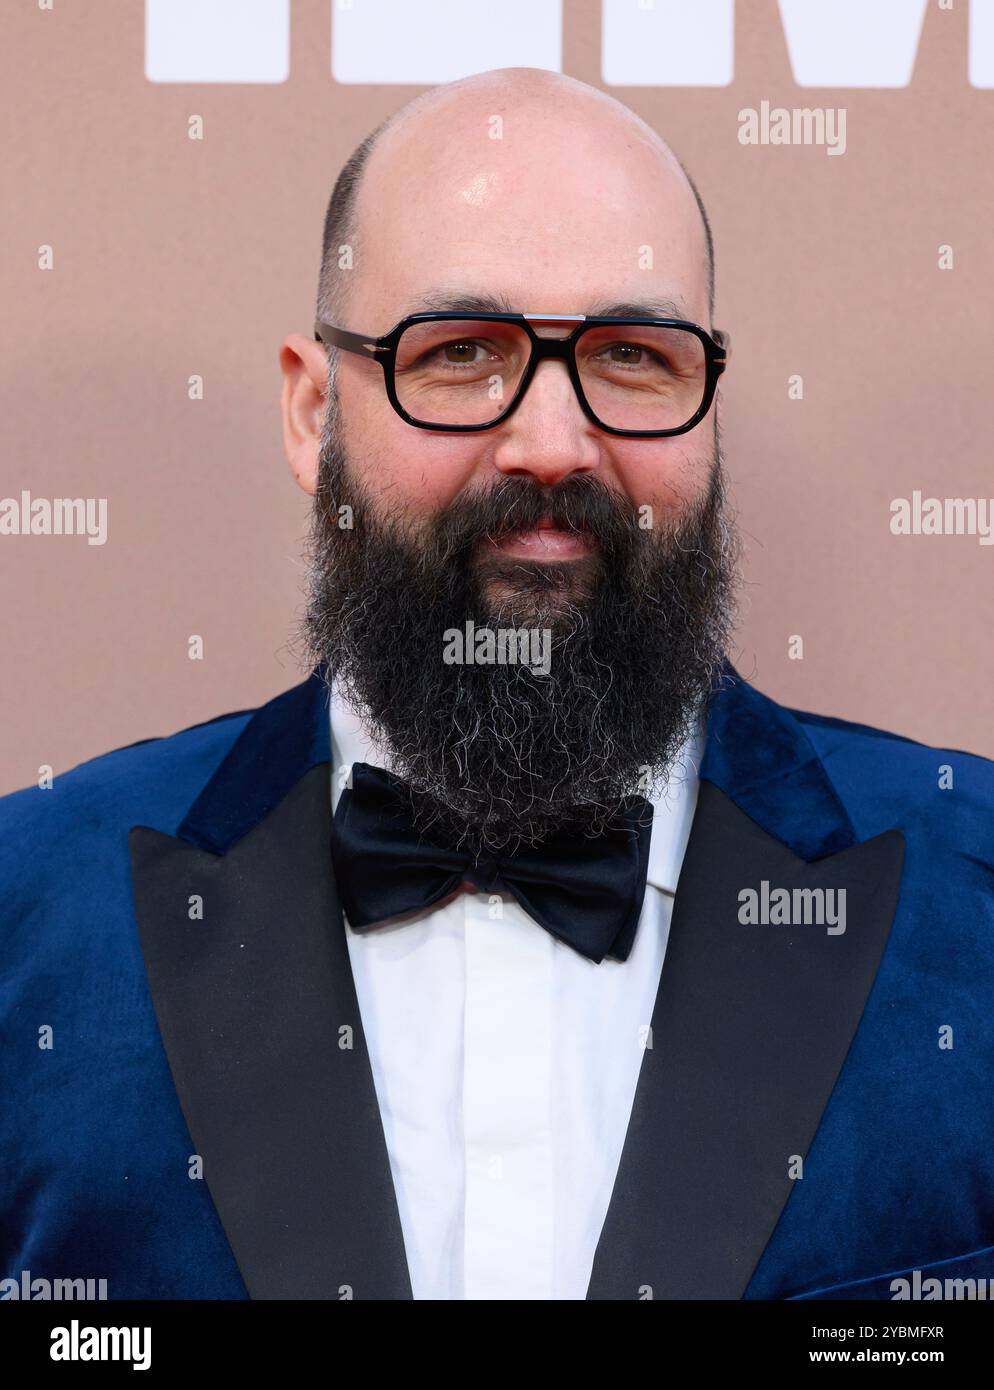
<point x="631" y="355"/>
<point x="461" y="352"/>
<point x="627" y="352"/>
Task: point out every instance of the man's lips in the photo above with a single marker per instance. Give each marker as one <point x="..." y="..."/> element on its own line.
<point x="545" y="542"/>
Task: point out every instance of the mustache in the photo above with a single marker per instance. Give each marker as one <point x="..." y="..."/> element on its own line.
<point x="583" y="503"/>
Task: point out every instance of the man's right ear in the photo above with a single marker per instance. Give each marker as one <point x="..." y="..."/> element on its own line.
<point x="304" y="364"/>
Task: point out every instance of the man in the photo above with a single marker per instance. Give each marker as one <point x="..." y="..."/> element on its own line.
<point x="387" y="989"/>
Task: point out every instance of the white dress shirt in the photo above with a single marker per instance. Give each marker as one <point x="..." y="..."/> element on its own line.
<point x="505" y="1066"/>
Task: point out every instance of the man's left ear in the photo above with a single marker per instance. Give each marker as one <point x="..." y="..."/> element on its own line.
<point x="304" y="364"/>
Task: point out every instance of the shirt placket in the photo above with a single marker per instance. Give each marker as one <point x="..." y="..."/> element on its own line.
<point x="507" y="1102"/>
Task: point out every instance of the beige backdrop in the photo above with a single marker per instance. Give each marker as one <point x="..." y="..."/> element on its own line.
<point x="173" y="257"/>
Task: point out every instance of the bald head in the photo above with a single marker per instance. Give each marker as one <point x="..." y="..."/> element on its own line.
<point x="509" y="171"/>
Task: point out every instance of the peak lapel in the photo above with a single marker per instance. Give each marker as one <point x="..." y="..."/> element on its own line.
<point x="258" y="1013"/>
<point x="752" y="1022"/>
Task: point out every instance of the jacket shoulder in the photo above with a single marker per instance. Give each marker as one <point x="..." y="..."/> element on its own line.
<point x="43" y="830"/>
<point x="828" y="732"/>
<point x="880" y="773"/>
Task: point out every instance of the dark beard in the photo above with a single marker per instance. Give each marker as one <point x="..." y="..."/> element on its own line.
<point x="501" y="754"/>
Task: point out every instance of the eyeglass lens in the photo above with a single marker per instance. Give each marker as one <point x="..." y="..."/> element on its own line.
<point x="466" y="372"/>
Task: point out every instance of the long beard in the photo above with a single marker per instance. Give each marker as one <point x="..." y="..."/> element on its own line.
<point x="633" y="638"/>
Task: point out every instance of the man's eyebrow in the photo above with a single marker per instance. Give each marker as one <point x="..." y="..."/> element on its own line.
<point x="655" y="308"/>
<point x="449" y="302"/>
<point x="454" y="302"/>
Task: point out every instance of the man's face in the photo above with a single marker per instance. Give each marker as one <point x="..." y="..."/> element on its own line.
<point x="612" y="227"/>
<point x="539" y="521"/>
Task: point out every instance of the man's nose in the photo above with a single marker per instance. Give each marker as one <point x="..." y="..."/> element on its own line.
<point x="548" y="434"/>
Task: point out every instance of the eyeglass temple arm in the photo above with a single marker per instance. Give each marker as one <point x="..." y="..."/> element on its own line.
<point x="724" y="342"/>
<point x="341" y="337"/>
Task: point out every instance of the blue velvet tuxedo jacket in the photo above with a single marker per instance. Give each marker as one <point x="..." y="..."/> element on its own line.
<point x="182" y="1114"/>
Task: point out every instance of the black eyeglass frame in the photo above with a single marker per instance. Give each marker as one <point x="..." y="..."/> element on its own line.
<point x="717" y="349"/>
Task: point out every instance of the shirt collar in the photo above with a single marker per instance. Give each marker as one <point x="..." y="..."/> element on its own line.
<point x="673" y="806"/>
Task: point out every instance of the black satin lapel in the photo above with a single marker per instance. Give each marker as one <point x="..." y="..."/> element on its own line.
<point x="749" y="1032"/>
<point x="256" y="1004"/>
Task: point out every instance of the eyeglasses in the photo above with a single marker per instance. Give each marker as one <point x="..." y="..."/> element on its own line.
<point x="641" y="378"/>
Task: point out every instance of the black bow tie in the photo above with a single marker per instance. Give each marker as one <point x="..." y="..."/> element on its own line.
<point x="586" y="891"/>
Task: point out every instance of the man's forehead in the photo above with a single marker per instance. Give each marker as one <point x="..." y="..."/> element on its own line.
<point x="517" y="238"/>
